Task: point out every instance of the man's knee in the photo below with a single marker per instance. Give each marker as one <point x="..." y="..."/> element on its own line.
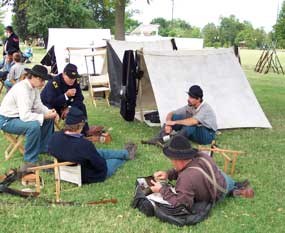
<point x="33" y="126"/>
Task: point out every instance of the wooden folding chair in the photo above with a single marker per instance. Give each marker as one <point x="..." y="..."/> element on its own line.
<point x="99" y="84"/>
<point x="1" y="86"/>
<point x="67" y="171"/>
<point x="229" y="156"/>
<point x="16" y="144"/>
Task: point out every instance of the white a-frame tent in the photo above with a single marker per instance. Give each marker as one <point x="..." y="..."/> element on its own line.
<point x="169" y="74"/>
<point x="71" y="44"/>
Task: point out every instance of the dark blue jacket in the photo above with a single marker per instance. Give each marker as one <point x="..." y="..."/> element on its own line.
<point x="79" y="150"/>
<point x="52" y="95"/>
<point x="12" y="42"/>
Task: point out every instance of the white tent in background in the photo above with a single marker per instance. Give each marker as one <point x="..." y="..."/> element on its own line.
<point x="182" y="43"/>
<point x="217" y="71"/>
<point x="70" y="44"/>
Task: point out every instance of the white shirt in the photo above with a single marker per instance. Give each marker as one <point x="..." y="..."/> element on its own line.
<point x="23" y="101"/>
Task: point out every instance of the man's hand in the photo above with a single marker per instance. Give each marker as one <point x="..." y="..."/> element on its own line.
<point x="167" y="129"/>
<point x="51" y="114"/>
<point x="160" y="175"/>
<point x="64" y="113"/>
<point x="170" y="123"/>
<point x="156" y="186"/>
<point x="70" y="92"/>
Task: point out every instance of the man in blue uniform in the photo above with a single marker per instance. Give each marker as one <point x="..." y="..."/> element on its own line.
<point x="63" y="91"/>
<point x="96" y="164"/>
<point x="12" y="41"/>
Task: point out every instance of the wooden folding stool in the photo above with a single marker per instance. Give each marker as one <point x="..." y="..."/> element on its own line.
<point x="67" y="171"/>
<point x="16" y="143"/>
<point x="229" y="156"/>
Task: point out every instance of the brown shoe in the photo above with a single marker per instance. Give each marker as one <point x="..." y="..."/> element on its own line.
<point x="246" y="193"/>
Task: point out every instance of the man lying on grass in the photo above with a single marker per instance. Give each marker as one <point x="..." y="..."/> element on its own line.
<point x="197" y="177"/>
<point x="96" y="164"/>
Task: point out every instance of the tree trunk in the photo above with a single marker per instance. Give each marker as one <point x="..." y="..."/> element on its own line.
<point x="120" y="20"/>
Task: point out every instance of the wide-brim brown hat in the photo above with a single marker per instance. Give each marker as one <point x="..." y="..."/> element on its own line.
<point x="179" y="148"/>
<point x="39" y="71"/>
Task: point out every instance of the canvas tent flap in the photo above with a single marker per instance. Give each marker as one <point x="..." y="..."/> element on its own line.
<point x="115" y="53"/>
<point x="217" y="71"/>
<point x="73" y="43"/>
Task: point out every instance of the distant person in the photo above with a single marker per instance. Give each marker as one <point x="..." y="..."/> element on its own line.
<point x="196" y="121"/>
<point x="22" y="113"/>
<point x="12" y="41"/>
<point x="17" y="71"/>
<point x="63" y="91"/>
<point x="7" y="65"/>
<point x="96" y="164"/>
<point x="28" y="54"/>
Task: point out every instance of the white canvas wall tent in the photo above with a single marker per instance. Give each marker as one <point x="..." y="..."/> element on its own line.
<point x="115" y="53"/>
<point x="169" y="74"/>
<point x="71" y="44"/>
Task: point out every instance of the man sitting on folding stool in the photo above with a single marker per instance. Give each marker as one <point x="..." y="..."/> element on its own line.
<point x="22" y="113"/>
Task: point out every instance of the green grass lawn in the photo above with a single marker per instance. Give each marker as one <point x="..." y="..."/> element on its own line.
<point x="263" y="164"/>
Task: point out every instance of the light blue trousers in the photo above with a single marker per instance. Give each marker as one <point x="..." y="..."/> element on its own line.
<point x="36" y="136"/>
<point x="114" y="159"/>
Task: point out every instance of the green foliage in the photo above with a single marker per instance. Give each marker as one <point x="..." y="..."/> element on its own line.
<point x="229" y="28"/>
<point x="19" y="20"/>
<point x="130" y="24"/>
<point x="280" y="27"/>
<point x="102" y="12"/>
<point x="1" y="25"/>
<point x="176" y="28"/>
<point x="211" y="35"/>
<point x="57" y="14"/>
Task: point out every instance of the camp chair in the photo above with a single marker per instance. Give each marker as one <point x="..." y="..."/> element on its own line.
<point x="16" y="143"/>
<point x="99" y="84"/>
<point x="1" y="86"/>
<point x="229" y="156"/>
<point x="67" y="171"/>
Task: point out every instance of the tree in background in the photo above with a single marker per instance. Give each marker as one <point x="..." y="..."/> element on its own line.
<point x="229" y="28"/>
<point x="176" y="28"/>
<point x="211" y="35"/>
<point x="19" y="19"/>
<point x="1" y="25"/>
<point x="130" y="24"/>
<point x="250" y="37"/>
<point x="103" y="12"/>
<point x="57" y="14"/>
<point x="279" y="27"/>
